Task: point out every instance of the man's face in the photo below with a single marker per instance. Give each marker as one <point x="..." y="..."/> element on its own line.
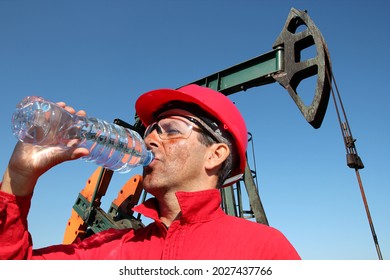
<point x="178" y="163"/>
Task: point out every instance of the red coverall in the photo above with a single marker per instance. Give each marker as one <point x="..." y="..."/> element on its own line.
<point x="203" y="232"/>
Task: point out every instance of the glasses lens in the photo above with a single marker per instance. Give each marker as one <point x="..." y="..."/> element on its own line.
<point x="170" y="128"/>
<point x="150" y="128"/>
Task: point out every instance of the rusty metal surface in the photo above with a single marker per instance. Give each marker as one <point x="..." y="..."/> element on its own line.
<point x="295" y="70"/>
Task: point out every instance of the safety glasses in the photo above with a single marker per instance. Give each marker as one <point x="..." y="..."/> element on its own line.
<point x="179" y="127"/>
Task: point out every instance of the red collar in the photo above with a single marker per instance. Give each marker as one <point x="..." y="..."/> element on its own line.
<point x="197" y="206"/>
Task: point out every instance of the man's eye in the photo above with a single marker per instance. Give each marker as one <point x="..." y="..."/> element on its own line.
<point x="171" y="130"/>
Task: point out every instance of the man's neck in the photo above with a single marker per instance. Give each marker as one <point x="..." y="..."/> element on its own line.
<point x="169" y="209"/>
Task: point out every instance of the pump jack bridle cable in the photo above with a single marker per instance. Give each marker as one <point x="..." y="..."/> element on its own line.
<point x="353" y="160"/>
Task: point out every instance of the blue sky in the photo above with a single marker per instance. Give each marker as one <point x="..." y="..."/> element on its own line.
<point x="101" y="55"/>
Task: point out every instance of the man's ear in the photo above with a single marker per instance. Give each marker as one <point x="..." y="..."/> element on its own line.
<point x="216" y="155"/>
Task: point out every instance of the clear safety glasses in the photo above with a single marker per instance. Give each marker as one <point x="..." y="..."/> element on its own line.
<point x="178" y="127"/>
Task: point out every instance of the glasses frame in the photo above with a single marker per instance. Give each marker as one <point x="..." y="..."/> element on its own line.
<point x="201" y="124"/>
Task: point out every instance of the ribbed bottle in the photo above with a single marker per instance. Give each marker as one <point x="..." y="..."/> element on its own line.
<point x="41" y="122"/>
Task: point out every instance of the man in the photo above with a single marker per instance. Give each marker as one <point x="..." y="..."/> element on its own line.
<point x="199" y="139"/>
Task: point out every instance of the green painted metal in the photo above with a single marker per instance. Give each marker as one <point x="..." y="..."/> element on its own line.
<point x="251" y="73"/>
<point x="228" y="201"/>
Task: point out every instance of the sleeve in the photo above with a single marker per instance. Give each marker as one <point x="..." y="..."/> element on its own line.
<point x="15" y="240"/>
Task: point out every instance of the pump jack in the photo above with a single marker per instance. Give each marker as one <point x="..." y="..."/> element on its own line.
<point x="283" y="64"/>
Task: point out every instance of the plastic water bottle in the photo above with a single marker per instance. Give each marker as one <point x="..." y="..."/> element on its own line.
<point x="41" y="122"/>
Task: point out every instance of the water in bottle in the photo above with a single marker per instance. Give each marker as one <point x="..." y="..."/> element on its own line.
<point x="41" y="122"/>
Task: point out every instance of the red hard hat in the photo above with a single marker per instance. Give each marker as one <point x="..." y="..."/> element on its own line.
<point x="213" y="102"/>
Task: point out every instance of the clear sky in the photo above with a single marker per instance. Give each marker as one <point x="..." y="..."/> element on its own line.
<point x="101" y="55"/>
